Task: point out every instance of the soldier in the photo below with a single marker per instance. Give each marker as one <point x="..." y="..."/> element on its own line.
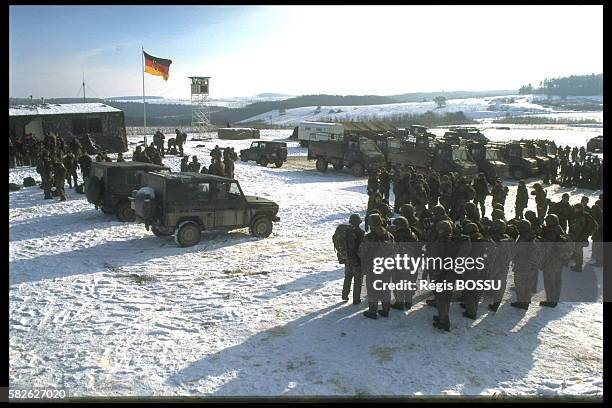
<point x="446" y="192"/>
<point x="582" y="154"/>
<point x="158" y="139"/>
<point x="536" y="225"/>
<point x="419" y="196"/>
<point x="184" y="163"/>
<point x="374" y="201"/>
<point x="575" y="154"/>
<point x="500" y="264"/>
<point x="216" y="153"/>
<point x="541" y="201"/>
<point x="59" y="174"/>
<point x="597" y="237"/>
<point x="402" y="233"/>
<point x="481" y="191"/>
<point x="581" y="226"/>
<point x="120" y="158"/>
<point x="179" y="141"/>
<point x="499" y="193"/>
<point x="407" y="211"/>
<point x="216" y="168"/>
<point x="377" y="234"/>
<point x="462" y="193"/>
<point x="45" y="169"/>
<point x="153" y="155"/>
<point x="352" y="265"/>
<point x="553" y="259"/>
<point x="373" y="182"/>
<point x="137" y="156"/>
<point x="85" y="165"/>
<point x="576" y="172"/>
<point x="70" y="163"/>
<point x="228" y="163"/>
<point x="525" y="268"/>
<point x="194" y="166"/>
<point x="384" y="180"/>
<point x="585" y="204"/>
<point x="521" y="201"/>
<point x="433" y="182"/>
<point x="479" y="249"/>
<point x="472" y="214"/>
<point x="563" y="210"/>
<point x="397" y="191"/>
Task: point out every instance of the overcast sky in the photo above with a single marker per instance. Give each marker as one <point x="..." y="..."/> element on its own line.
<point x="299" y="50"/>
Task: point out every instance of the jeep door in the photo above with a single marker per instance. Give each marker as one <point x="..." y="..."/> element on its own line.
<point x="230" y="205"/>
<point x="193" y="201"/>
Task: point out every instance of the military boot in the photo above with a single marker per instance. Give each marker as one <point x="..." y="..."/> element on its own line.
<point x="520" y="305"/>
<point x="370" y="315"/>
<point x="548" y="304"/>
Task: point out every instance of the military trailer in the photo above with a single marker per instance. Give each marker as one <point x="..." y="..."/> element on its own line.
<point x="111" y="184"/>
<point x="185" y="204"/>
<point x="359" y="154"/>
<point x="489" y="160"/>
<point x="519" y="159"/>
<point x="264" y="152"/>
<point x="595" y="144"/>
<point x="425" y="151"/>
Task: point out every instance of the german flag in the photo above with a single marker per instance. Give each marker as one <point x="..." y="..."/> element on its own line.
<point x="157" y="66"/>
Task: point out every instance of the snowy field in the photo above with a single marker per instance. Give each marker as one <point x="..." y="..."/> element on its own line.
<point x="473" y="108"/>
<point x="105" y="308"/>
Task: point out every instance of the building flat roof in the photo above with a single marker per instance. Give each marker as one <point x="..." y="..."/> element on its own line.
<point x="60" y="109"/>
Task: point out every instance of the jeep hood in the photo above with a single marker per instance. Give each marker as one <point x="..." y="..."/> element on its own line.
<point x="260" y="202"/>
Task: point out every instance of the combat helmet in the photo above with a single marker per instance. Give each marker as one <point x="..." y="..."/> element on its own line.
<point x="374" y="220"/>
<point x="355" y="220"/>
<point x="401" y="222"/>
<point x="524" y="226"/>
<point x="552" y="220"/>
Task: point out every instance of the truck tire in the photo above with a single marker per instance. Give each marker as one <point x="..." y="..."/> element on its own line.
<point x="262" y="227"/>
<point x="263" y="163"/>
<point x="338" y="166"/>
<point x="518" y="173"/>
<point x="278" y="164"/>
<point x="106" y="210"/>
<point x="125" y="213"/>
<point x="321" y="164"/>
<point x="159" y="233"/>
<point x="188" y="234"/>
<point x="357" y="169"/>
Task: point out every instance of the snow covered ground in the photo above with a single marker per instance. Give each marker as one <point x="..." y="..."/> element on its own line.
<point x="473" y="108"/>
<point x="106" y="308"/>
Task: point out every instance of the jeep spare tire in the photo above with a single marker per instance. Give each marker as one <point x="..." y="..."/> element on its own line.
<point x="262" y="227"/>
<point x="94" y="189"/>
<point x="188" y="234"/>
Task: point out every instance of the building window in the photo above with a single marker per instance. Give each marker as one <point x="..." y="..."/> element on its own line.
<point x="95" y="125"/>
<point x="79" y="126"/>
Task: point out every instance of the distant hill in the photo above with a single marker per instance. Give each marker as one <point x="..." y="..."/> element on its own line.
<point x="429" y="96"/>
<point x="128" y="98"/>
<point x="271" y="95"/>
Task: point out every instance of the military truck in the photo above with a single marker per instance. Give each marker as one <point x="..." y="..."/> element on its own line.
<point x="595" y="144"/>
<point x="537" y="152"/>
<point x="264" y="152"/>
<point x="425" y="151"/>
<point x="185" y="204"/>
<point x="358" y="153"/>
<point x="519" y="159"/>
<point x="489" y="160"/>
<point x="111" y="184"/>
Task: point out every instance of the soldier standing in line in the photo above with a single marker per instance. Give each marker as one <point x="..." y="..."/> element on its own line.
<point x="70" y="163"/>
<point x="85" y="165"/>
<point x="402" y="233"/>
<point x="228" y="164"/>
<point x="352" y="265"/>
<point x="479" y="249"/>
<point x="59" y="173"/>
<point x="384" y="185"/>
<point x="581" y="226"/>
<point x="499" y="193"/>
<point x="521" y="201"/>
<point x="45" y="169"/>
<point x="373" y="183"/>
<point x="525" y="260"/>
<point x="504" y="246"/>
<point x="481" y="191"/>
<point x="555" y="257"/>
<point x="541" y="201"/>
<point x="446" y="192"/>
<point x="597" y="237"/>
<point x="377" y="234"/>
<point x="563" y="210"/>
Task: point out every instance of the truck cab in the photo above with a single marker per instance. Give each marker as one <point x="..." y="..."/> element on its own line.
<point x="454" y="158"/>
<point x="489" y="161"/>
<point x="185" y="204"/>
<point x="110" y="185"/>
<point x="519" y="160"/>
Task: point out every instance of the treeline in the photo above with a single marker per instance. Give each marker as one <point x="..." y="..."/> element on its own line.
<point x="430" y="96"/>
<point x="543" y="120"/>
<point x="575" y="85"/>
<point x="427" y="119"/>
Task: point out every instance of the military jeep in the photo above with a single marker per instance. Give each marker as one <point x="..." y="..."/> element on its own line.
<point x="185" y="204"/>
<point x="110" y="185"/>
<point x="264" y="152"/>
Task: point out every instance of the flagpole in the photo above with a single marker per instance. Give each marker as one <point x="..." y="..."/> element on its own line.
<point x="144" y="103"/>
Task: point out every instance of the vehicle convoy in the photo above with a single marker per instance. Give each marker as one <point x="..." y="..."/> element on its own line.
<point x="489" y="160"/>
<point x="426" y="151"/>
<point x="111" y="184"/>
<point x="264" y="152"/>
<point x="518" y="158"/>
<point x="185" y="204"/>
<point x="595" y="144"/>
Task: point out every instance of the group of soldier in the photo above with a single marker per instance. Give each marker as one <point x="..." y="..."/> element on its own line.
<point x="575" y="168"/>
<point x="156" y="150"/>
<point x="435" y="209"/>
<point x="221" y="163"/>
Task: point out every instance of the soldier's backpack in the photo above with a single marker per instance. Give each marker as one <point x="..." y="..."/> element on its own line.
<point x="339" y="239"/>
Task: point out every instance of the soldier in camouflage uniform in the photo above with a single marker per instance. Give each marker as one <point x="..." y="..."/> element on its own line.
<point x="481" y="191"/>
<point x="500" y="265"/>
<point x="525" y="260"/>
<point x="581" y="226"/>
<point x="541" y="201"/>
<point x="59" y="174"/>
<point x="553" y="260"/>
<point x="521" y="201"/>
<point x="402" y="233"/>
<point x="70" y="163"/>
<point x="194" y="166"/>
<point x="352" y="265"/>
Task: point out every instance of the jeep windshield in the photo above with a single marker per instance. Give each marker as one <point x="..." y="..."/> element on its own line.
<point x="493" y="155"/>
<point x="460" y="154"/>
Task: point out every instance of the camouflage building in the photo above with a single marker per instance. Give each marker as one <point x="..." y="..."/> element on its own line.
<point x="104" y="124"/>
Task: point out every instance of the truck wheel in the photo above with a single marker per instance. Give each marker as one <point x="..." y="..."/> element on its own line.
<point x="188" y="234"/>
<point x="338" y="166"/>
<point x="278" y="164"/>
<point x="263" y="163"/>
<point x="125" y="213"/>
<point x="517" y="173"/>
<point x="357" y="169"/>
<point x="159" y="233"/>
<point x="243" y="158"/>
<point x="321" y="164"/>
<point x="262" y="227"/>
